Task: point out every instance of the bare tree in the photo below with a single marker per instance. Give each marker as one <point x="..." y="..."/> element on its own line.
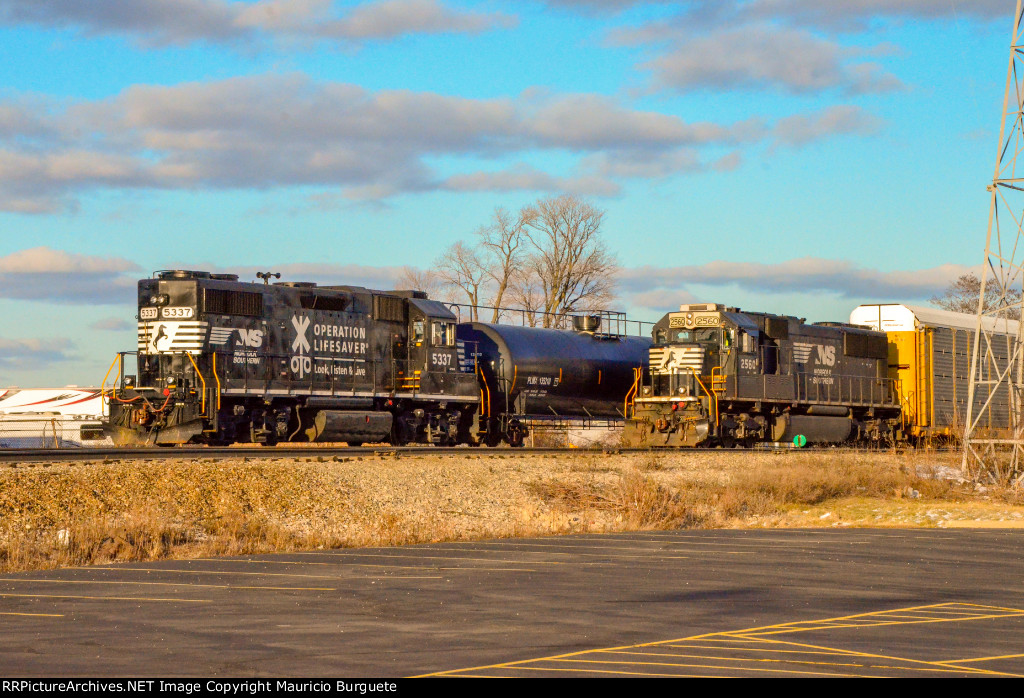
<point x="501" y="245"/>
<point x="961" y="296"/>
<point x="525" y="293"/>
<point x="427" y="281"/>
<point x="460" y="267"/>
<point x="573" y="266"/>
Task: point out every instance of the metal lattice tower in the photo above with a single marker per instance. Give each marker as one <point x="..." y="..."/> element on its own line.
<point x="994" y="430"/>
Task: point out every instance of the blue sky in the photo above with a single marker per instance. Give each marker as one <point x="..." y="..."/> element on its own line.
<point x="793" y="156"/>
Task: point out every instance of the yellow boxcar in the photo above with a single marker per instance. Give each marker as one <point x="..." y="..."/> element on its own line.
<point x="930" y="358"/>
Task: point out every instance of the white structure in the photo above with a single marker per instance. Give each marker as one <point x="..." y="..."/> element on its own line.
<point x="52" y="417"/>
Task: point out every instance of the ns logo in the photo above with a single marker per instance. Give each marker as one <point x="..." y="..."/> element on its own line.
<point x="251" y="338"/>
<point x="826" y="355"/>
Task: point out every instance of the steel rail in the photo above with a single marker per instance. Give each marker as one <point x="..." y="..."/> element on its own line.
<point x="111" y="455"/>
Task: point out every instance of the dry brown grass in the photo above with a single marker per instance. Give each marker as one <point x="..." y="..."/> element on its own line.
<point x="647" y="496"/>
<point x="105" y="512"/>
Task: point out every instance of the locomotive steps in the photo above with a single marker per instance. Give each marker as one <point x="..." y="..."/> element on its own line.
<point x="59" y="514"/>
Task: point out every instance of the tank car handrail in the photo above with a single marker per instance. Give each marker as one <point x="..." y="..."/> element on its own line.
<point x="617" y="316"/>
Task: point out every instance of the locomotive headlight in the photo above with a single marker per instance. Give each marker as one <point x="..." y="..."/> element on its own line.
<point x="647" y="390"/>
<point x="160" y="299"/>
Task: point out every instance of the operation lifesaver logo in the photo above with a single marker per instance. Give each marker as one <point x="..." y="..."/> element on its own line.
<point x="345" y="340"/>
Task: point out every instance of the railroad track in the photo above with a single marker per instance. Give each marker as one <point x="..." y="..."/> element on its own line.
<point x="12" y="457"/>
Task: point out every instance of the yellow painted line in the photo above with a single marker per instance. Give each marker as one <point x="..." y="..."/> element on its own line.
<point x="354" y="564"/>
<point x="854" y="653"/>
<point x="998" y="608"/>
<point x="758" y="650"/>
<point x="761" y="633"/>
<point x="980" y="659"/>
<point x="584" y="548"/>
<point x="783" y="631"/>
<point x="710" y="666"/>
<point x="433" y="557"/>
<point x="102" y="598"/>
<point x="741" y="659"/>
<point x="953" y="615"/>
<point x="934" y="669"/>
<point x="41" y="615"/>
<point x="609" y="671"/>
<point x="989" y="525"/>
<point x="169" y="570"/>
<point x="800" y="626"/>
<point x="162" y="584"/>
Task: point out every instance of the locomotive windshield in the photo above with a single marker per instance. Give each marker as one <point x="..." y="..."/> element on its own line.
<point x="698" y="336"/>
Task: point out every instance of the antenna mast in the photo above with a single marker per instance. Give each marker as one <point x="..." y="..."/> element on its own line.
<point x="994" y="430"/>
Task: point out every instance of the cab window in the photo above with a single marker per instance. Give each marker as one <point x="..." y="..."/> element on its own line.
<point x="442" y="334"/>
<point x="417" y="331"/>
<point x="702" y="336"/>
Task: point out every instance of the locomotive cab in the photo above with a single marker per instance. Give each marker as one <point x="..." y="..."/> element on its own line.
<point x="431" y="355"/>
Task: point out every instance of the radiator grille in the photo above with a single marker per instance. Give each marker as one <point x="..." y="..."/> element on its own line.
<point x="220" y="302"/>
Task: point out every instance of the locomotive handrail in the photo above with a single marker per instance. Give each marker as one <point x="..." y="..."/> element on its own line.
<point x="216" y="378"/>
<point x="720" y="380"/>
<point x="202" y="403"/>
<point x="711" y="395"/>
<point x="103" y="389"/>
<point x="637" y="373"/>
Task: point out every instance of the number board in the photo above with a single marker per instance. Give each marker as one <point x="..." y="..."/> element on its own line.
<point x="695" y="320"/>
<point x="178" y="312"/>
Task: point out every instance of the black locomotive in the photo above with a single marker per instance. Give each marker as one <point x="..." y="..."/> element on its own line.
<point x="222" y="361"/>
<point x="719" y="376"/>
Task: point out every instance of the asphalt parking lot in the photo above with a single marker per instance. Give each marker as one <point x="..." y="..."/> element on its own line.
<point x="835" y="602"/>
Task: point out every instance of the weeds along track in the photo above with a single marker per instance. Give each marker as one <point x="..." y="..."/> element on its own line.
<point x="96" y="510"/>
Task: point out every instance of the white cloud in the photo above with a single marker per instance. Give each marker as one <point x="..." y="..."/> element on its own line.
<point x="181" y="22"/>
<point x="271" y="131"/>
<point x="35" y="354"/>
<point x="858" y="15"/>
<point x="801" y="129"/>
<point x="765" y="58"/>
<point x="804" y="275"/>
<point x="45" y="274"/>
<point x="112" y="324"/>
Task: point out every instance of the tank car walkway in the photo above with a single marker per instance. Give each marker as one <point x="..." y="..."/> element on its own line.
<point x="835" y="602"/>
